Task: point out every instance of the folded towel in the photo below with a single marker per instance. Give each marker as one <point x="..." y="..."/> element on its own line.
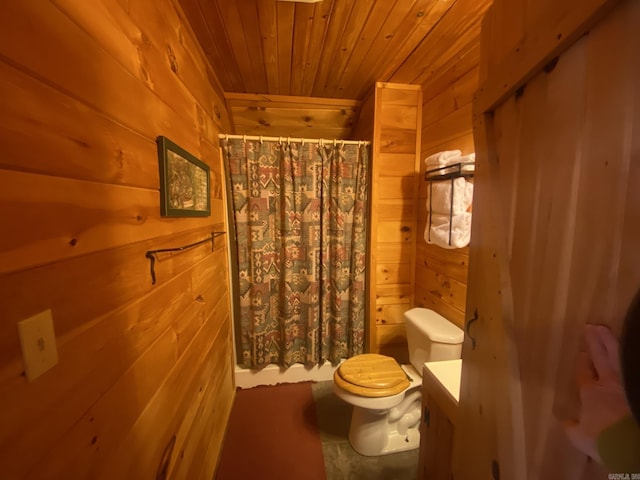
<point x="438" y="231"/>
<point x="441" y="159"/>
<point x="451" y="157"/>
<point x="439" y="196"/>
<point x="469" y="159"/>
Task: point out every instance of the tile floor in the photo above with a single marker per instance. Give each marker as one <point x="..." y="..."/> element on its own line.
<point x="340" y="460"/>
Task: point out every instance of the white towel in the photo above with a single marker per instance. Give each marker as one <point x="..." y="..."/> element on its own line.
<point x="469" y="159"/>
<point x="451" y="157"/>
<point x="438" y="231"/>
<point x="441" y="159"/>
<point x="439" y="196"/>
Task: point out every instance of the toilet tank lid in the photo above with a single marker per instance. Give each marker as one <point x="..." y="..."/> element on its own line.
<point x="434" y="326"/>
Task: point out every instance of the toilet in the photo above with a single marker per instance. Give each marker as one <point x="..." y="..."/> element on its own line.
<point x="387" y="397"/>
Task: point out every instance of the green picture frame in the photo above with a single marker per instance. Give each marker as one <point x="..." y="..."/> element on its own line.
<point x="185" y="185"/>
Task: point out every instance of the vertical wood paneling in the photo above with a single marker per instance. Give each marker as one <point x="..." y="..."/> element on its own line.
<point x="394" y="189"/>
<point x="302" y="38"/>
<point x="205" y="20"/>
<point x="436" y="440"/>
<point x="248" y="13"/>
<point x="339" y="19"/>
<point x="459" y="25"/>
<point x="321" y="20"/>
<point x="230" y="23"/>
<point x="402" y="34"/>
<point x="332" y="49"/>
<point x="422" y="18"/>
<point x="371" y="32"/>
<point x="285" y="16"/>
<point x="343" y="53"/>
<point x="377" y="52"/>
<point x="88" y="88"/>
<point x="267" y="16"/>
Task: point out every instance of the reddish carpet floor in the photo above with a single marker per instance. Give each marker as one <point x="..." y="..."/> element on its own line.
<point x="273" y="435"/>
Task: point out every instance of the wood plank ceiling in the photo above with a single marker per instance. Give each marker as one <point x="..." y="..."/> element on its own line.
<point x="331" y="49"/>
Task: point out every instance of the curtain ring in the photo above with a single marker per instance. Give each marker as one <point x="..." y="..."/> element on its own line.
<point x="289" y="141"/>
<point x="280" y="140"/>
<point x="302" y="142"/>
<point x="334" y="143"/>
<point x="260" y="139"/>
<point x="244" y="139"/>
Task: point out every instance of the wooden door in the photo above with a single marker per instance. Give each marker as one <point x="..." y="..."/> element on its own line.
<point x="556" y="232"/>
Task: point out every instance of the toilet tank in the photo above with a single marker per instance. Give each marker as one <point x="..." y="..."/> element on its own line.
<point x="431" y="337"/>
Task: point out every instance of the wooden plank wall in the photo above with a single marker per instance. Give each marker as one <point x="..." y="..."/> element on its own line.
<point x="288" y="116"/>
<point x="394" y="189"/>
<point x="441" y="274"/>
<point x="144" y="382"/>
<point x="329" y="49"/>
<point x="560" y="172"/>
<point x="363" y="126"/>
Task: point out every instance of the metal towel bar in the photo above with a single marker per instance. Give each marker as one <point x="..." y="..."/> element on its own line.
<point x="150" y="254"/>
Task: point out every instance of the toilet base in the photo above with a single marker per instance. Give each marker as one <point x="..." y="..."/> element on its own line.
<point x="380" y="432"/>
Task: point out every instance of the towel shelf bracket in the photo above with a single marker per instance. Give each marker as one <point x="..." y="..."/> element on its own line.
<point x="450" y="173"/>
<point x="151" y="254"/>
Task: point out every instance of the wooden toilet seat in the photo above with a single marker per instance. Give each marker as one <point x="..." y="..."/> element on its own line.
<point x="371" y="375"/>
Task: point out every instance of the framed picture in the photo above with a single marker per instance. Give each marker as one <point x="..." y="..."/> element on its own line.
<point x="184" y="182"/>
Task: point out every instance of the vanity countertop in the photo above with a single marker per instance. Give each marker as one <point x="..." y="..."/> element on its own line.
<point x="442" y="381"/>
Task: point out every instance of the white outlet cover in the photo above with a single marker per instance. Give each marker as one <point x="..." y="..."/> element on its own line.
<point x="38" y="342"/>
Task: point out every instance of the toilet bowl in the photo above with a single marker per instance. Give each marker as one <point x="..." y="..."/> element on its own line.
<point x="386" y="396"/>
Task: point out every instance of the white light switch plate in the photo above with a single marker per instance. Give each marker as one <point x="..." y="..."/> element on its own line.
<point x="38" y="342"/>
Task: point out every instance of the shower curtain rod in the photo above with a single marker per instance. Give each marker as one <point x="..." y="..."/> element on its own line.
<point x="292" y="139"/>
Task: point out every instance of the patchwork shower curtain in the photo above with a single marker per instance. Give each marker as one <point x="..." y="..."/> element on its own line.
<point x="300" y="213"/>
